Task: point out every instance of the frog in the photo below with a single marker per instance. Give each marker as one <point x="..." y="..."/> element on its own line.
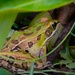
<point x="29" y="44"/>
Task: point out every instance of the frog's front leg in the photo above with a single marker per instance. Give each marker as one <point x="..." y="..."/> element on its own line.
<point x="45" y="63"/>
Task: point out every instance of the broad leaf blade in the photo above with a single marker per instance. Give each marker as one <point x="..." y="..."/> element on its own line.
<point x="31" y="5"/>
<point x="4" y="72"/>
<point x="6" y="21"/>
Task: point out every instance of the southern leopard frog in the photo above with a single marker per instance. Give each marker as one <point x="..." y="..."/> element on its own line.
<point x="29" y="44"/>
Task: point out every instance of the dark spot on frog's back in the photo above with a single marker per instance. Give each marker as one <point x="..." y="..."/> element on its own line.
<point x="27" y="34"/>
<point x="16" y="65"/>
<point x="38" y="28"/>
<point x="6" y="46"/>
<point x="35" y="64"/>
<point x="26" y="51"/>
<point x="48" y="32"/>
<point x="30" y="44"/>
<point x="39" y="37"/>
<point x="16" y="49"/>
<point x="15" y="41"/>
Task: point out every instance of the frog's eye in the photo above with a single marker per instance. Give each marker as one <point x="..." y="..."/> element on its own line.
<point x="54" y="24"/>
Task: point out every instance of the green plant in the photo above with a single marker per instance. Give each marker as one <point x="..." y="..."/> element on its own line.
<point x="9" y="10"/>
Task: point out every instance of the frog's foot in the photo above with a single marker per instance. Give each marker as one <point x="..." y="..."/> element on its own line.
<point x="48" y="64"/>
<point x="4" y="64"/>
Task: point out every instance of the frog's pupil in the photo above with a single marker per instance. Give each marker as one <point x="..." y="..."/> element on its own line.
<point x="54" y="25"/>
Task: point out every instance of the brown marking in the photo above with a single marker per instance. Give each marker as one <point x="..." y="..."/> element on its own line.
<point x="27" y="34"/>
<point x="15" y="41"/>
<point x="47" y="32"/>
<point x="38" y="37"/>
<point x="24" y="65"/>
<point x="44" y="19"/>
<point x="22" y="37"/>
<point x="11" y="62"/>
<point x="17" y="48"/>
<point x="38" y="28"/>
<point x="35" y="64"/>
<point x="6" y="46"/>
<point x="26" y="51"/>
<point x="9" y="66"/>
<point x="16" y="65"/>
<point x="30" y="44"/>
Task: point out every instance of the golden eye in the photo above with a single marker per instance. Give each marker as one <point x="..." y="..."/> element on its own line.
<point x="54" y="24"/>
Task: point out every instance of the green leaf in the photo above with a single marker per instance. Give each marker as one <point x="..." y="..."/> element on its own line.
<point x="4" y="72"/>
<point x="71" y="65"/>
<point x="7" y="18"/>
<point x="31" y="5"/>
<point x="32" y="68"/>
<point x="63" y="54"/>
<point x="10" y="33"/>
<point x="6" y="21"/>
